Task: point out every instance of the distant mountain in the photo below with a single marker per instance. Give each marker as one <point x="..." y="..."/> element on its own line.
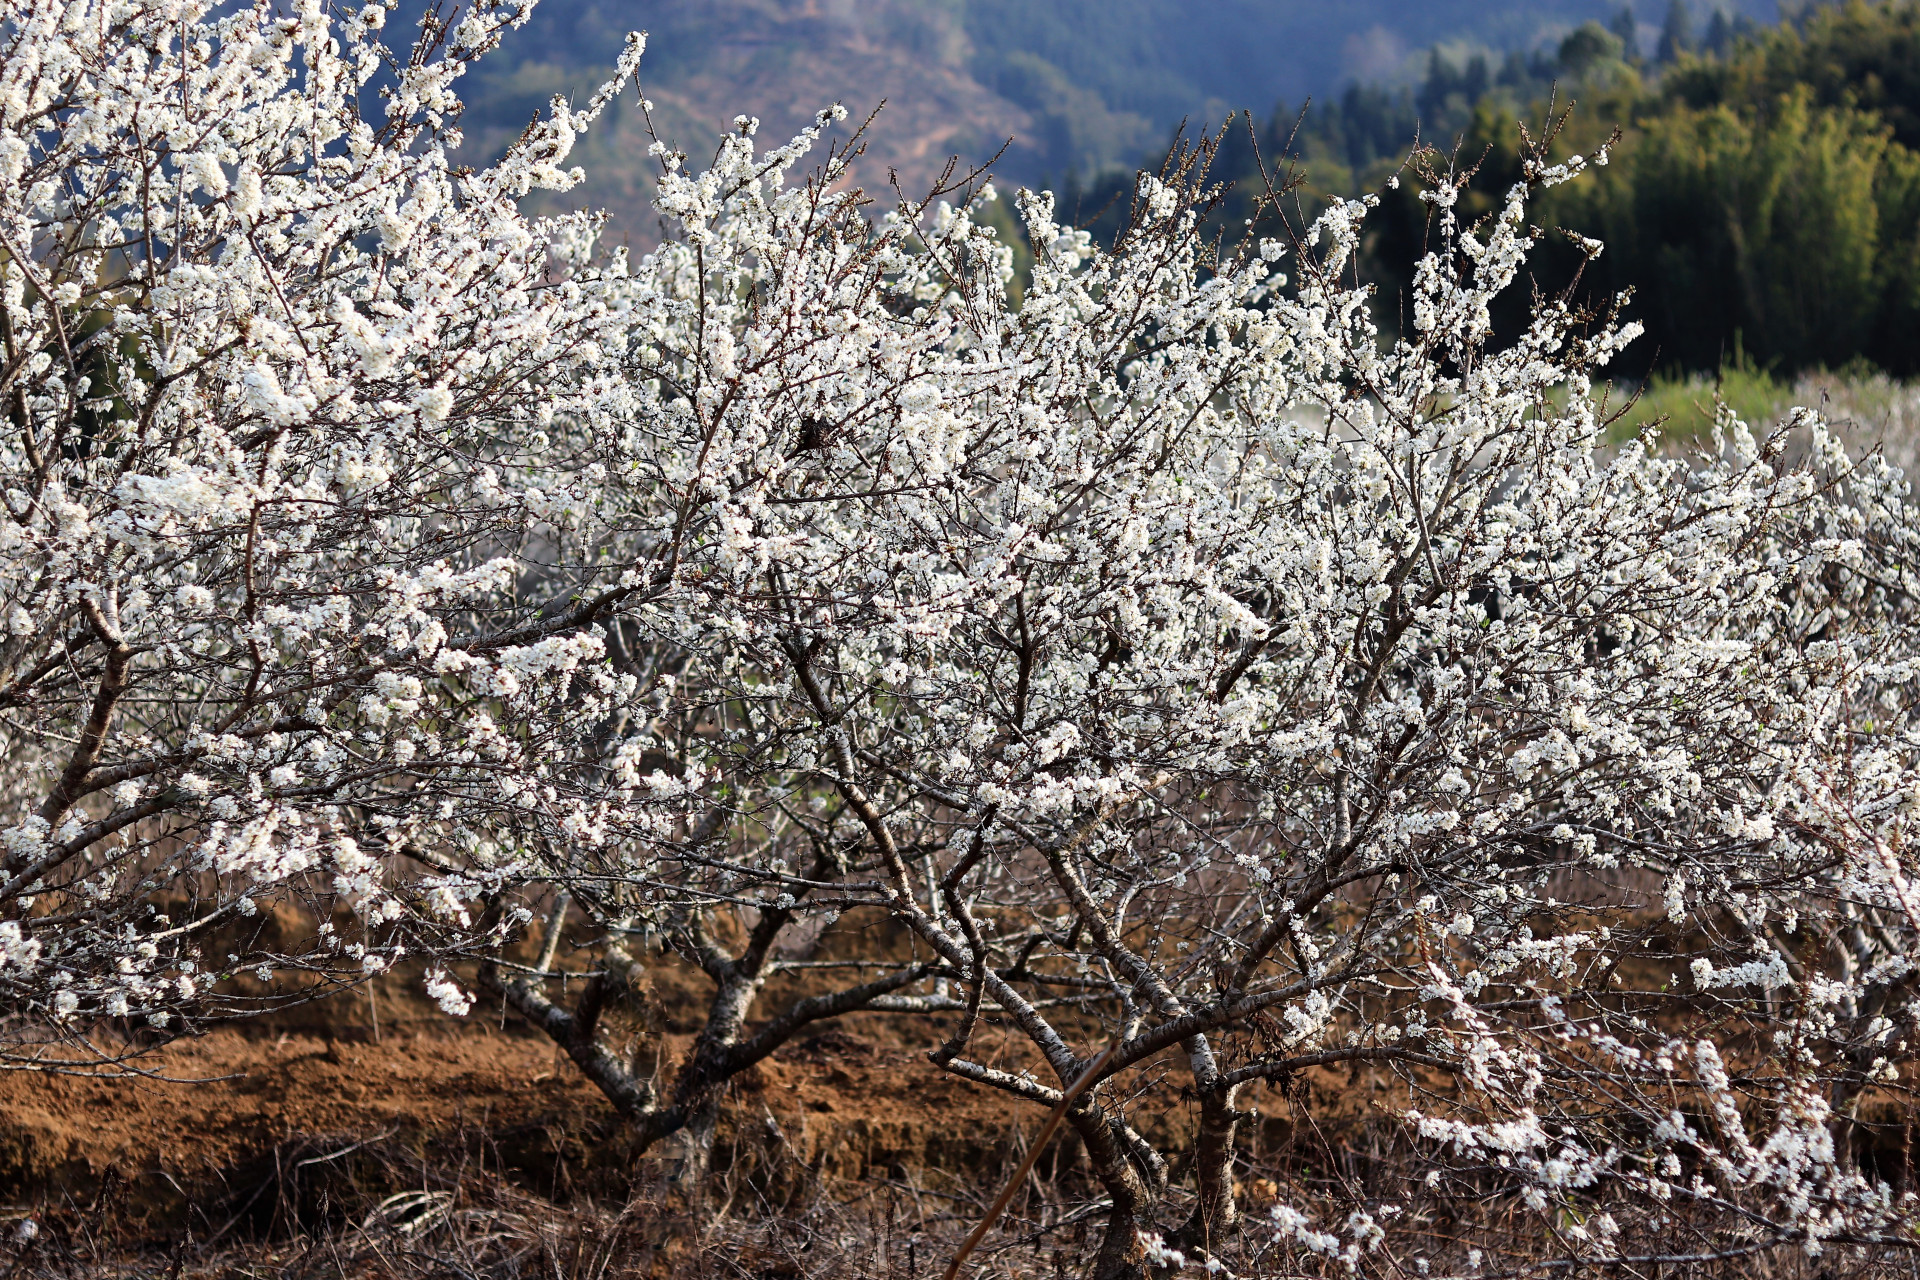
<point x="1075" y="85"/>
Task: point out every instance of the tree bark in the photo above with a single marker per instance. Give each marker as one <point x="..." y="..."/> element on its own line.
<point x="1215" y="1213"/>
<point x="1134" y="1190"/>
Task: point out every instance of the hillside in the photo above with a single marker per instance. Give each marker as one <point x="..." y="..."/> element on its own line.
<point x="1762" y="207"/>
<point x="1075" y="86"/>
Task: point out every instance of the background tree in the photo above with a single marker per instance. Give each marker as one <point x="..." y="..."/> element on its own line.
<point x="1676" y="33"/>
<point x="1626" y="26"/>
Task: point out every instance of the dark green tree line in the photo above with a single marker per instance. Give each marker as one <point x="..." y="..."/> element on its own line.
<point x="1763" y="198"/>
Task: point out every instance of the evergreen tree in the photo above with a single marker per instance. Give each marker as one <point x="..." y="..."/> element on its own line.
<point x="1719" y="34"/>
<point x="1676" y="36"/>
<point x="1478" y="78"/>
<point x="1627" y="27"/>
<point x="1434" y="89"/>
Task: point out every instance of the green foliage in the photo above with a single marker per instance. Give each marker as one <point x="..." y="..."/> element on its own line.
<point x="1683" y="404"/>
<point x="1858" y="54"/>
<point x="1763" y="199"/>
<point x="1770" y="196"/>
<point x="1762" y="223"/>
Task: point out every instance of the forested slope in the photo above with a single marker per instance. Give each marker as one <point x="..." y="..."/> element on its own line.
<point x="1072" y="85"/>
<point x="1763" y="204"/>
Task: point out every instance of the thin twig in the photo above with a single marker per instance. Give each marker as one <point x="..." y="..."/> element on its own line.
<point x="1088" y="1078"/>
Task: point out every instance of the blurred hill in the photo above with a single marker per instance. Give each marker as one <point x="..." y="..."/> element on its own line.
<point x="1076" y="85"/>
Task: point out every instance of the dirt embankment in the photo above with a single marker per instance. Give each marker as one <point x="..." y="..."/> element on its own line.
<point x="233" y="1110"/>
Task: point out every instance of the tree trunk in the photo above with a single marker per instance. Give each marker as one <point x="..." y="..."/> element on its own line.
<point x="1134" y="1189"/>
<point x="1121" y="1256"/>
<point x="696" y="1146"/>
<point x="1215" y="1213"/>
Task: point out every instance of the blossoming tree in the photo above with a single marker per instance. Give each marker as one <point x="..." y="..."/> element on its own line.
<point x="325" y="500"/>
<point x="271" y="617"/>
<point x="1204" y="681"/>
<point x="1190" y="658"/>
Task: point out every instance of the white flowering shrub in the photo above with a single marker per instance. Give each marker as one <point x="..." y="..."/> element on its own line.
<point x="1184" y="654"/>
<point x="355" y="531"/>
<point x="285" y="616"/>
<point x="1187" y="668"/>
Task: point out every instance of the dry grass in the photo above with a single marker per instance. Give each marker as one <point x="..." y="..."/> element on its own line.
<point x="465" y="1205"/>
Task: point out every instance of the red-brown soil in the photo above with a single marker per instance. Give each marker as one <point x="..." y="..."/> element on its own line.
<point x="211" y="1107"/>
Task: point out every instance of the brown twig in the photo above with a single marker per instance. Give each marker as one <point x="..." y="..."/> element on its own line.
<point x="1087" y="1079"/>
